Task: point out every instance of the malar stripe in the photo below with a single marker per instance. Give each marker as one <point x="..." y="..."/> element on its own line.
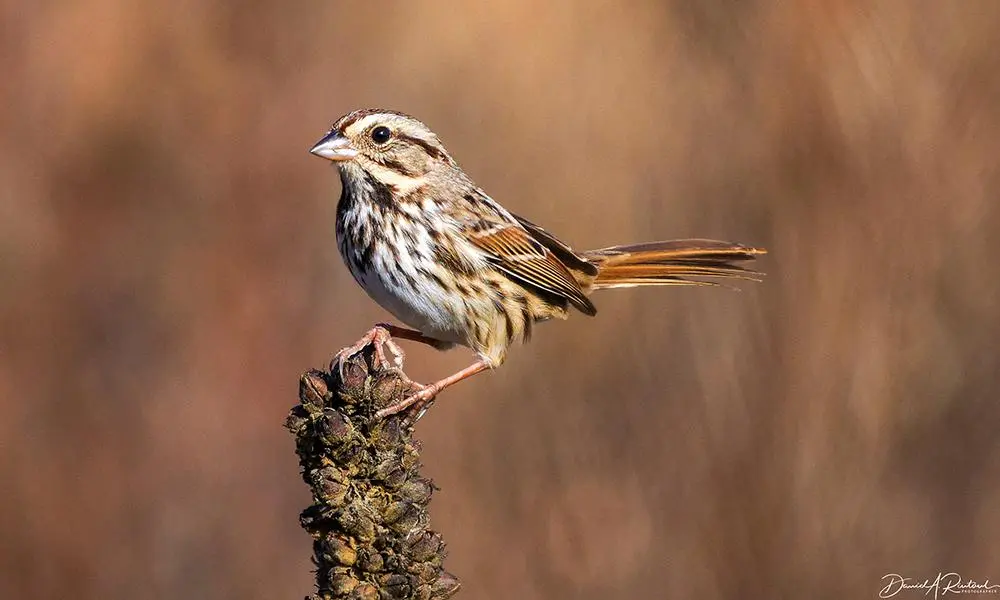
<point x="380" y="191"/>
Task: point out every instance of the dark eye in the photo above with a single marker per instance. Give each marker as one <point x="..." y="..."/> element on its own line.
<point x="381" y="134"/>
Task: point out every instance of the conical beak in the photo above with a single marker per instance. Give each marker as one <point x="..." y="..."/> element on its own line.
<point x="334" y="147"/>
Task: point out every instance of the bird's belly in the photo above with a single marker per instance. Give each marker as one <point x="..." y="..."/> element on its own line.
<point x="404" y="279"/>
<point x="419" y="302"/>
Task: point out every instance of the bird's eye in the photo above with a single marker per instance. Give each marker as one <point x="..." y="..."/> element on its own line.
<point x="381" y="134"/>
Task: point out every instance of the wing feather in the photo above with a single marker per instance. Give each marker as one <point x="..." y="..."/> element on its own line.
<point x="563" y="252"/>
<point x="513" y="251"/>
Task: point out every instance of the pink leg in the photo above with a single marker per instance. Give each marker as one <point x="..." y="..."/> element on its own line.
<point x="420" y="399"/>
<point x="404" y="333"/>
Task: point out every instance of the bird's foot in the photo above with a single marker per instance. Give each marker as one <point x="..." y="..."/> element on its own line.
<point x="380" y="339"/>
<point x="418" y="402"/>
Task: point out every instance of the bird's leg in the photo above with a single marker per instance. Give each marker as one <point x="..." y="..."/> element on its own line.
<point x="408" y="334"/>
<point x="380" y="338"/>
<point x="419" y="401"/>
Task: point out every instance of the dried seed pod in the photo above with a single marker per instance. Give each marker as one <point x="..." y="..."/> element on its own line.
<point x="411" y="457"/>
<point x="352" y="373"/>
<point x="327" y="483"/>
<point x="425" y="572"/>
<point x="387" y="387"/>
<point x="365" y="591"/>
<point x="334" y="429"/>
<point x="369" y="560"/>
<point x="404" y="517"/>
<point x="396" y="585"/>
<point x="395" y="511"/>
<point x="369" y="509"/>
<point x="388" y="434"/>
<point x="422" y="592"/>
<point x="297" y="419"/>
<point x="425" y="546"/>
<point x="339" y="551"/>
<point x="445" y="586"/>
<point x="357" y="523"/>
<point x="417" y="491"/>
<point x="343" y="582"/>
<point x="313" y="390"/>
<point x="390" y="472"/>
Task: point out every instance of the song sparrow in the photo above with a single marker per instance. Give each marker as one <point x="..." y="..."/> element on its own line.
<point x="436" y="251"/>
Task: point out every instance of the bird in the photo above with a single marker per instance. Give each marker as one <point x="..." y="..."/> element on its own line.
<point x="437" y="252"/>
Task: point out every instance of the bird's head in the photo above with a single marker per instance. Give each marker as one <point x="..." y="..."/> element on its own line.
<point x="392" y="148"/>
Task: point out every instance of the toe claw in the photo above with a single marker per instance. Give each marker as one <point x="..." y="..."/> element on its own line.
<point x="377" y="337"/>
<point x="397" y="352"/>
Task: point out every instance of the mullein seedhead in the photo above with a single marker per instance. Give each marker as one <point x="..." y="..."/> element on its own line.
<point x="368" y="519"/>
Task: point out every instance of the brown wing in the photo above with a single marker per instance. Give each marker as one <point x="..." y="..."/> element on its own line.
<point x="514" y="252"/>
<point x="563" y="252"/>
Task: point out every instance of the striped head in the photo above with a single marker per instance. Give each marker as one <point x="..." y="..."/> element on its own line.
<point x="391" y="148"/>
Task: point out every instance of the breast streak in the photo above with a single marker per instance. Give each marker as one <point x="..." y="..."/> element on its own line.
<point x="407" y="291"/>
<point x="405" y="280"/>
<point x="418" y="290"/>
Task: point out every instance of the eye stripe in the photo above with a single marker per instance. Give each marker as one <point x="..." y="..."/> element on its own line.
<point x="429" y="148"/>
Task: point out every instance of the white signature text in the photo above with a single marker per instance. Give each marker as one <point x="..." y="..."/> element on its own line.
<point x="944" y="583"/>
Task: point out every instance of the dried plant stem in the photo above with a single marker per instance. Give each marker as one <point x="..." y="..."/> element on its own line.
<point x="368" y="518"/>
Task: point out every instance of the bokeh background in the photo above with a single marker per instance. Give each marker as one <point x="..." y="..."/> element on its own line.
<point x="168" y="269"/>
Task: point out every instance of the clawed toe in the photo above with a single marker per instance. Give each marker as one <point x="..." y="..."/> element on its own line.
<point x="397" y="353"/>
<point x="380" y="339"/>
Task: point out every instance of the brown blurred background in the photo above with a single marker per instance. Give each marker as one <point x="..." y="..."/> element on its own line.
<point x="168" y="269"/>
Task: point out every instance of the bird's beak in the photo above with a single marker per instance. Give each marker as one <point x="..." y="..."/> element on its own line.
<point x="334" y="147"/>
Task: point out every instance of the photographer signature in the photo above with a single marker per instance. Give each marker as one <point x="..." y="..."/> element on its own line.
<point x="943" y="584"/>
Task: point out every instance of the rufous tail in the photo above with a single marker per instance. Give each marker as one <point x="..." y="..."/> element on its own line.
<point x="675" y="262"/>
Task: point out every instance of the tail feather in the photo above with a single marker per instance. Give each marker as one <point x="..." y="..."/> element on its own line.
<point x="671" y="263"/>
